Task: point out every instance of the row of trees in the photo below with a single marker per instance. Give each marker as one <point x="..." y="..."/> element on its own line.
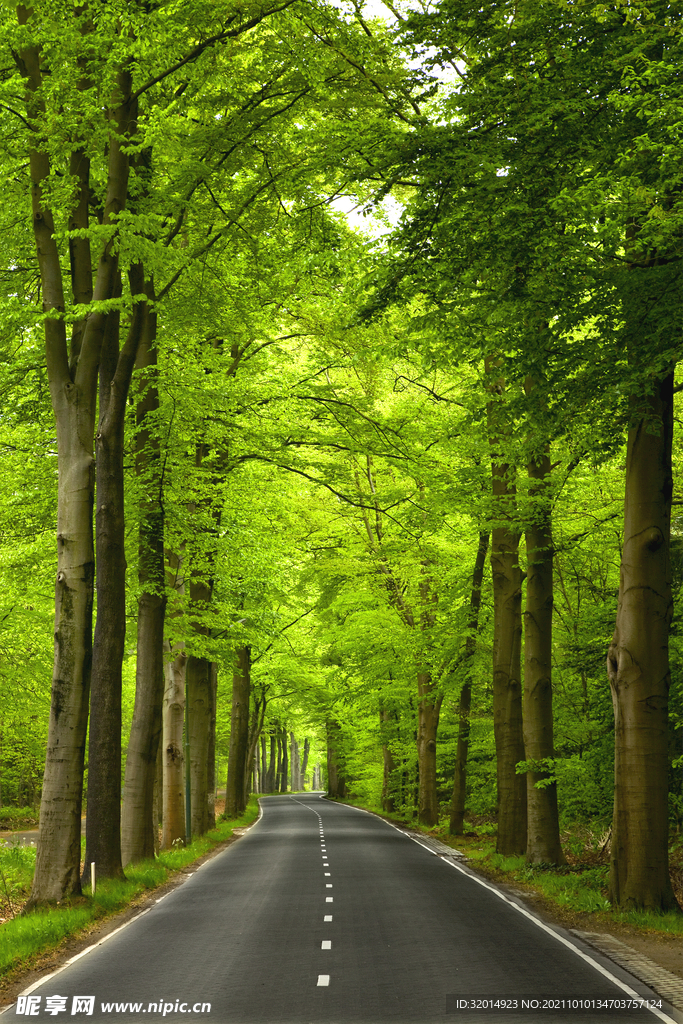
<point x="311" y="450"/>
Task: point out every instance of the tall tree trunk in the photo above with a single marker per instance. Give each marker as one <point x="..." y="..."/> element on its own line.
<point x="296" y="765"/>
<point x="336" y="776"/>
<point x="284" y="768"/>
<point x="211" y="753"/>
<point x="638" y="662"/>
<point x="174" y="760"/>
<point x="507" y="635"/>
<point x="272" y="766"/>
<point x="456" y="826"/>
<point x="278" y="770"/>
<point x="198" y="679"/>
<point x="304" y="765"/>
<point x="259" y="703"/>
<point x="201" y="722"/>
<point x="239" y="734"/>
<point x="139" y="829"/>
<point x="543" y="829"/>
<point x="429" y="707"/>
<point x="264" y="765"/>
<point x="103" y="825"/>
<point x="158" y="791"/>
<point x="73" y="381"/>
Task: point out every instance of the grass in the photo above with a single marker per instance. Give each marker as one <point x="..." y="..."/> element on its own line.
<point x="23" y="939"/>
<point x="579" y="887"/>
<point x="17" y="819"/>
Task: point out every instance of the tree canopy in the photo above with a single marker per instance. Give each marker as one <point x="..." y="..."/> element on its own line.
<point x="321" y="500"/>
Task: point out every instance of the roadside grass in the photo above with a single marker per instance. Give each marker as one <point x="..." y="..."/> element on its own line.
<point x="23" y="939"/>
<point x="580" y="886"/>
<point x="18" y="819"/>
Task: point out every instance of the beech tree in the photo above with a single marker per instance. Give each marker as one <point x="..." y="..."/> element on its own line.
<point x="543" y="234"/>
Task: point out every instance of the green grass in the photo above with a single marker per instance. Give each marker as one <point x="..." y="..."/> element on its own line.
<point x="582" y="890"/>
<point x="18" y="819"/>
<point x="22" y="939"/>
<point x="650" y="921"/>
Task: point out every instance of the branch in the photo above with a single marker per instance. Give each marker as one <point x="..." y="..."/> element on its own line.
<point x="217" y="38"/>
<point x="338" y="494"/>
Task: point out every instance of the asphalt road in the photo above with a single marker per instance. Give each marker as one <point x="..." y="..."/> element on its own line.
<point x="323" y="914"/>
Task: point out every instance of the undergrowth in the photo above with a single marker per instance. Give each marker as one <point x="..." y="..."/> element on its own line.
<point x="16" y="819"/>
<point x="23" y="938"/>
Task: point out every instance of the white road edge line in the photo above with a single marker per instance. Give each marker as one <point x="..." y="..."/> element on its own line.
<point x="89" y="949"/>
<point x="540" y="924"/>
<point x="565" y="942"/>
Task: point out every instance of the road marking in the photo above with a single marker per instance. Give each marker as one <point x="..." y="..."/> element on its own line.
<point x="326" y="944"/>
<point x="329" y="899"/>
<point x="328" y="885"/>
<point x="565" y="942"/>
<point x="327" y="917"/>
<point x="323" y="980"/>
<point x="84" y="952"/>
<point x="328" y="874"/>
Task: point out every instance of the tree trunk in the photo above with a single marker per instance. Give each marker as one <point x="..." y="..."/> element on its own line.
<point x="174" y="761"/>
<point x="73" y="382"/>
<point x="278" y="770"/>
<point x="198" y="679"/>
<point x="264" y="766"/>
<point x="272" y="769"/>
<point x="158" y="797"/>
<point x="456" y="826"/>
<point x="259" y="704"/>
<point x="543" y="829"/>
<point x="638" y="663"/>
<point x="139" y="829"/>
<point x="103" y="824"/>
<point x="507" y="636"/>
<point x="336" y="781"/>
<point x="429" y="707"/>
<point x="507" y="692"/>
<point x="304" y="766"/>
<point x="284" y="768"/>
<point x="211" y="753"/>
<point x="239" y="734"/>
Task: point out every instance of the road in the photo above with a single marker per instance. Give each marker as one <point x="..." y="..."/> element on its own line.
<point x="323" y="914"/>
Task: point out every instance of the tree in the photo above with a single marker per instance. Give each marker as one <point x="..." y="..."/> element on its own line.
<point x="559" y="156"/>
<point x="456" y="824"/>
<point x="236" y="784"/>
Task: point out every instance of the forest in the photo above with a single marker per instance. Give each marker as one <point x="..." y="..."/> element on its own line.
<point x="339" y="421"/>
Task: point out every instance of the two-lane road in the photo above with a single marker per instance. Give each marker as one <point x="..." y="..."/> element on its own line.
<point x="323" y="914"/>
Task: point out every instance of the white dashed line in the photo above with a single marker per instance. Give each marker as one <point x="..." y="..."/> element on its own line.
<point x="329" y="899"/>
<point x="326" y="944"/>
<point x="328" y="885"/>
<point x="328" y="874"/>
<point x="327" y="917"/>
<point x="323" y="980"/>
